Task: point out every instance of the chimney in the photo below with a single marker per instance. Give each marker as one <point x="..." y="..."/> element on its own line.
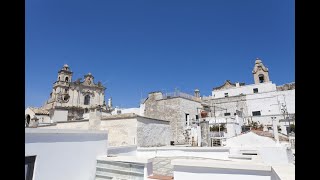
<point x="156" y="95"/>
<point x="197" y="93"/>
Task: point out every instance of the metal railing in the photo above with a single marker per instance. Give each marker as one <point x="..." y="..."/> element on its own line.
<point x="181" y="94"/>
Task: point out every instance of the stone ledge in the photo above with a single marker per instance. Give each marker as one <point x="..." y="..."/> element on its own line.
<point x="128" y="116"/>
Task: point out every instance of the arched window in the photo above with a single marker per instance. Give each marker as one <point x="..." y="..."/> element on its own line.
<point x="59" y="78"/>
<point x="87" y="100"/>
<point x="67" y="79"/>
<point x="261" y="78"/>
<point x="28" y="119"/>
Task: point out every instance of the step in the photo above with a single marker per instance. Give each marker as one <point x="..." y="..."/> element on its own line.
<point x="120" y="171"/>
<point x="121" y="166"/>
<point x="110" y="175"/>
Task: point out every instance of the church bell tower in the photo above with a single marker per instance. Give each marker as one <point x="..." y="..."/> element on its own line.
<point x="61" y="86"/>
<point x="260" y="72"/>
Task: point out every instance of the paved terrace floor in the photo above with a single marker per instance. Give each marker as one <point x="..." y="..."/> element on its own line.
<point x="162" y="165"/>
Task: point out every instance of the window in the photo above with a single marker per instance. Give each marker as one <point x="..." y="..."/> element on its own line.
<point x="255" y="90"/>
<point x="87" y="100"/>
<point x="197" y="116"/>
<point x="226" y="114"/>
<point x="256" y="113"/>
<point x="187" y="119"/>
<point x="226" y="94"/>
<point x="261" y="78"/>
<point x="67" y="79"/>
<point x="66" y="90"/>
<point x="234" y="113"/>
<point x="29" y="167"/>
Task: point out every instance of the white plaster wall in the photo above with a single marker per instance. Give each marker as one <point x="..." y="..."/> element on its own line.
<point x="127" y="110"/>
<point x="60" y="115"/>
<point x="65" y="154"/>
<point x="266" y="103"/>
<point x="86" y="116"/>
<point x="215" y="153"/>
<point x="276" y="155"/>
<point x="204" y="173"/>
<point x="250" y="140"/>
<point x="141" y="109"/>
<point x="247" y="89"/>
<point x="30" y="112"/>
<point x="269" y="104"/>
<point x="43" y="118"/>
<point x="121" y="132"/>
<point x="131" y="110"/>
<point x="217" y="169"/>
<point x="231" y="130"/>
<point x="289" y="99"/>
<point x="153" y="132"/>
<point x="274" y="175"/>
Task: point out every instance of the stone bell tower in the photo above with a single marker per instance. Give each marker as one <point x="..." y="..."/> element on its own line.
<point x="60" y="90"/>
<point x="260" y="72"/>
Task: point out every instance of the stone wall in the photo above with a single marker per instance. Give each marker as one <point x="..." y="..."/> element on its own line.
<point x="121" y="132"/>
<point x="125" y="129"/>
<point x="230" y="103"/>
<point x="68" y="125"/>
<point x="152" y="133"/>
<point x="171" y="109"/>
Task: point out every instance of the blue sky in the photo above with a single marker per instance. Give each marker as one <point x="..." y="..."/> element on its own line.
<point x="136" y="47"/>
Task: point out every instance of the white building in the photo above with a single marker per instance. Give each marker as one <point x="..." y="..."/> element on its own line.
<point x="256" y="102"/>
<point x="41" y="114"/>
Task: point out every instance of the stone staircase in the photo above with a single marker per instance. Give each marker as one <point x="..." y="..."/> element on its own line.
<point x="119" y="170"/>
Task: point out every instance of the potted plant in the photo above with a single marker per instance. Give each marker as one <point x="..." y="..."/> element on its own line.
<point x="204" y="114"/>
